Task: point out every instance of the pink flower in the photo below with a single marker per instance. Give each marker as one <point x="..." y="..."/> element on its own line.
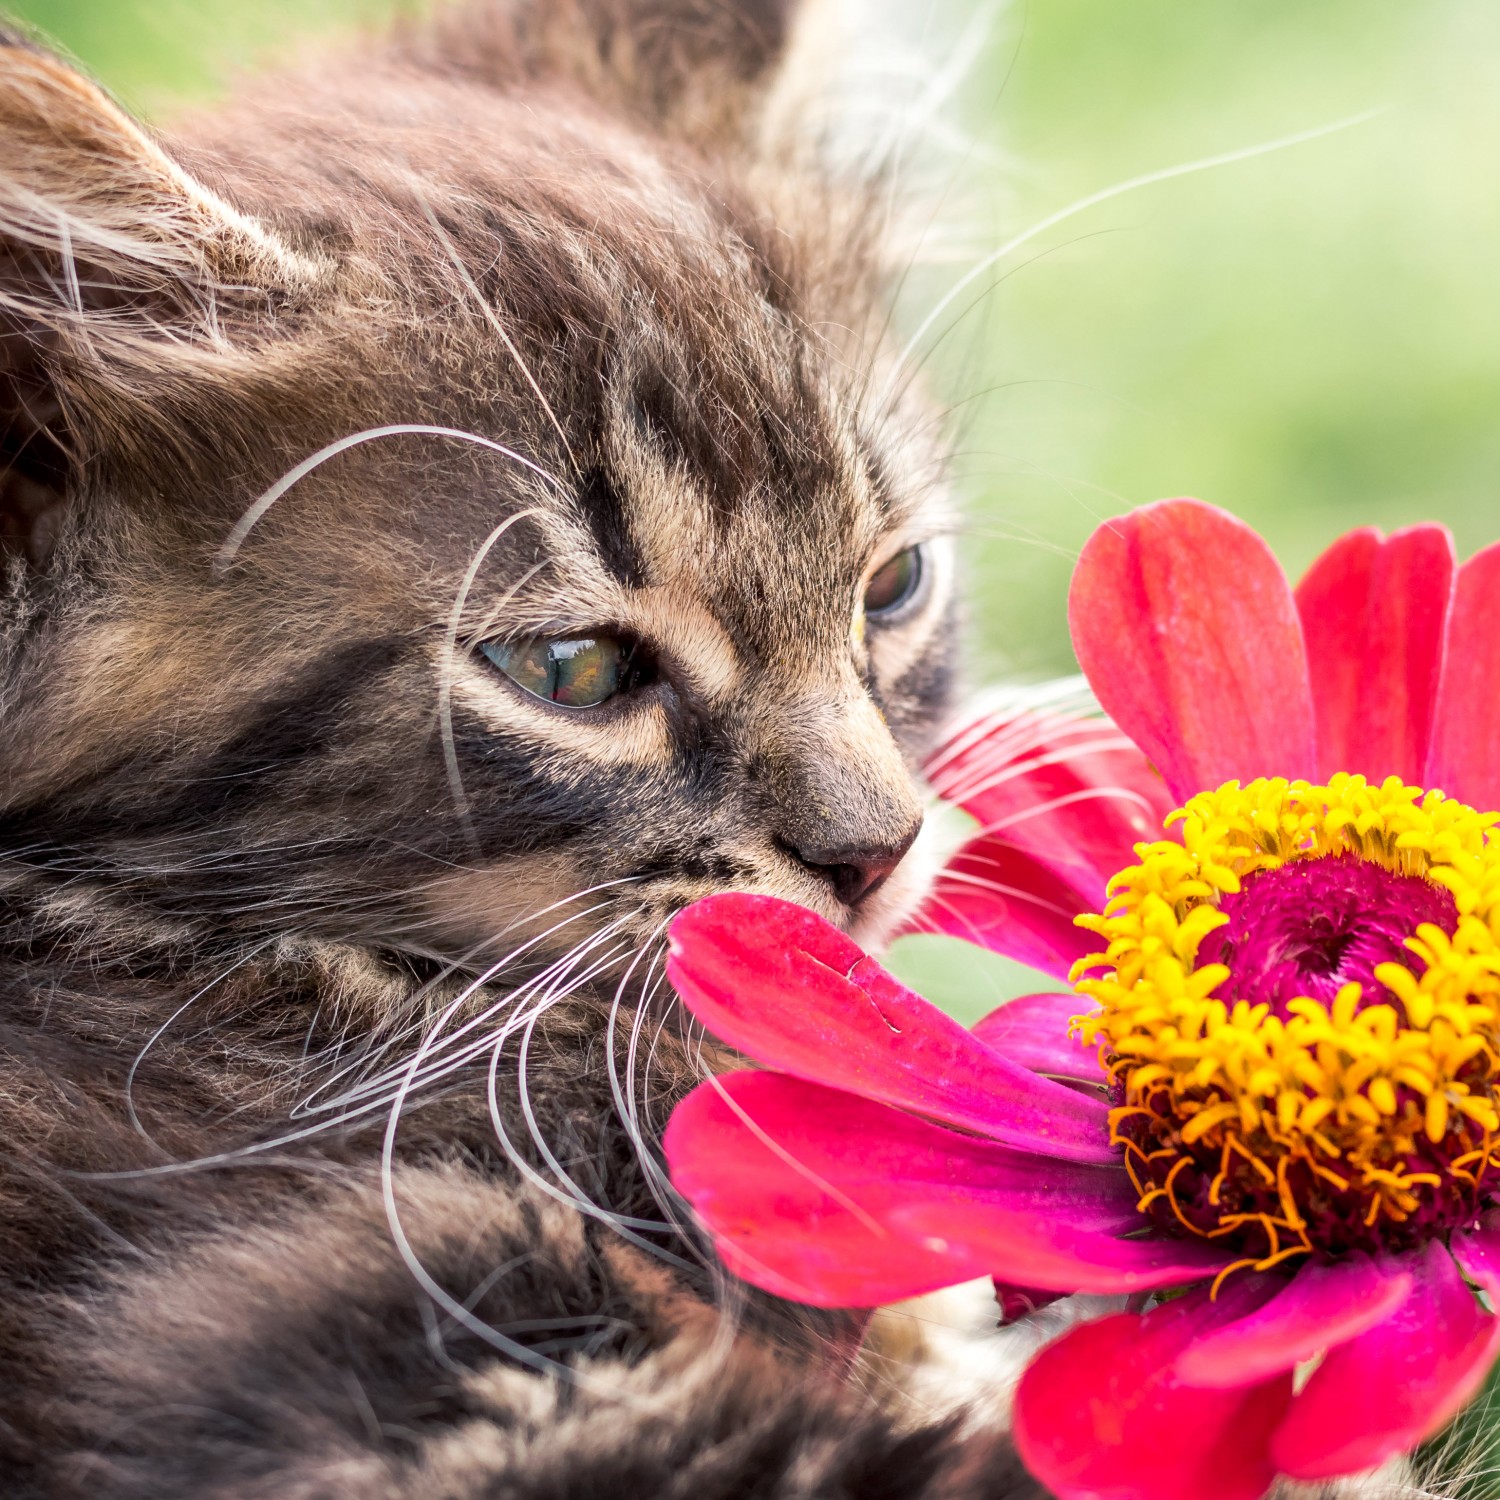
<point x="1279" y="1099"/>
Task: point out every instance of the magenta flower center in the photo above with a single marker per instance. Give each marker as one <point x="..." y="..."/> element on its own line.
<point x="1299" y="1009"/>
<point x="1310" y="927"/>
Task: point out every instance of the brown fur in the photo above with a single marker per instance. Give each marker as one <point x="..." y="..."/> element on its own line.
<point x="272" y="828"/>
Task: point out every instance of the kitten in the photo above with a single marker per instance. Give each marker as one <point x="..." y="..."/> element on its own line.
<point x="447" y="527"/>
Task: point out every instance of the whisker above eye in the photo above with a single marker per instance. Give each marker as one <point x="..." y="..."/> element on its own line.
<point x="446" y="668"/>
<point x="487" y="311"/>
<point x="257" y="511"/>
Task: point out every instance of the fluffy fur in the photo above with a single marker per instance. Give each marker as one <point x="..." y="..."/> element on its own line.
<point x="332" y="1049"/>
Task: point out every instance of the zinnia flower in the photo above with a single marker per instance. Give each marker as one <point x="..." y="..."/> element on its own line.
<point x="1272" y="1119"/>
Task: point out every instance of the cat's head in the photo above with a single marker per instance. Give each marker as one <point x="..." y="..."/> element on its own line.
<point x="452" y="497"/>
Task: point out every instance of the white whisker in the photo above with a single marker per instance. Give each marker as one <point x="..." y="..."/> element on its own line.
<point x="253" y="516"/>
<point x="450" y="642"/>
<point x="498" y="328"/>
<point x="1092" y="200"/>
<point x="1000" y="888"/>
<point x="156" y="1036"/>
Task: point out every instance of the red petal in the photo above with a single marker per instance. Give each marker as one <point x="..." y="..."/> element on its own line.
<point x="1465" y="756"/>
<point x="799" y="1185"/>
<point x="785" y="987"/>
<point x="1033" y="1031"/>
<point x="1322" y="1305"/>
<point x="1185" y="625"/>
<point x="1381" y="1393"/>
<point x="1051" y="1250"/>
<point x="1375" y="617"/>
<point x="1100" y="1414"/>
<point x="1074" y="793"/>
<point x="1005" y="901"/>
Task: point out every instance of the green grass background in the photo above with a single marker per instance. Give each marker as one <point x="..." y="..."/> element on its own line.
<point x="1310" y="338"/>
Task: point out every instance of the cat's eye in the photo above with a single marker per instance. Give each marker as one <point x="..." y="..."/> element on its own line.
<point x="572" y="673"/>
<point x="894" y="585"/>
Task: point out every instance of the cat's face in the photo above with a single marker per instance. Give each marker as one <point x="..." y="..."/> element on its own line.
<point x="498" y="536"/>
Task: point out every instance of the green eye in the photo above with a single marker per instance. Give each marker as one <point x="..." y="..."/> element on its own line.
<point x="895" y="584"/>
<point x="571" y="673"/>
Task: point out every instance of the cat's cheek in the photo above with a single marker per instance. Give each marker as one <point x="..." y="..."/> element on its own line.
<point x="528" y="906"/>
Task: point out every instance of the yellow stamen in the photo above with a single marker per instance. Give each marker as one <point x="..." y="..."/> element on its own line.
<point x="1333" y="1113"/>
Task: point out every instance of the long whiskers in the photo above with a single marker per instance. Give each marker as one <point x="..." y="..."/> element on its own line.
<point x="566" y="976"/>
<point x="445" y="684"/>
<point x="488" y="313"/>
<point x="257" y="512"/>
<point x="377" y="1094"/>
<point x="1082" y="205"/>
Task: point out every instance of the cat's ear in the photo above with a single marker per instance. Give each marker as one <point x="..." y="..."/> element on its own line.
<point x="698" y="69"/>
<point x="108" y="250"/>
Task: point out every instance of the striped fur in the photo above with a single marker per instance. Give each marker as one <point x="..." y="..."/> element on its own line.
<point x="332" y="1048"/>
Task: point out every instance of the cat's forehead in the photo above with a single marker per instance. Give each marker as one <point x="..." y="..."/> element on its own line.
<point x="673" y="369"/>
<point x="702" y="391"/>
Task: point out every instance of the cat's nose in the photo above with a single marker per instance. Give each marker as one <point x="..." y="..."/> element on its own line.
<point x="856" y="872"/>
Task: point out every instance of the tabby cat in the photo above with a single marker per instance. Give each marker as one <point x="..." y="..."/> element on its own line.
<point x="455" y="511"/>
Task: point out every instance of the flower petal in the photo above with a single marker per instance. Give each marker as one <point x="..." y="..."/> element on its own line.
<point x="1385" y="1390"/>
<point x="1322" y="1305"/>
<point x="1375" y="618"/>
<point x="785" y="987"/>
<point x="1033" y="1031"/>
<point x="1003" y="900"/>
<point x="1101" y="1415"/>
<point x="1465" y="756"/>
<point x="1072" y="792"/>
<point x="1054" y="1251"/>
<point x="799" y="1184"/>
<point x="1185" y="625"/>
<point x="1478" y="1252"/>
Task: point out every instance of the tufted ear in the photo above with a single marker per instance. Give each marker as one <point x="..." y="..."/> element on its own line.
<point x="694" y="68"/>
<point x="107" y="248"/>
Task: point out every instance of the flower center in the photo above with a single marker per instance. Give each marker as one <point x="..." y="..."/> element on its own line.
<point x="1299" y="1010"/>
<point x="1311" y="926"/>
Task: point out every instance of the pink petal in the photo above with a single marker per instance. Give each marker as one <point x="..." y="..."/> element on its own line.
<point x="1053" y="1251"/>
<point x="1074" y="793"/>
<point x="1385" y="1390"/>
<point x="1322" y="1305"/>
<point x="1033" y="1031"/>
<point x="1006" y="901"/>
<point x="785" y="987"/>
<point x="1478" y="1252"/>
<point x="1101" y="1415"/>
<point x="1465" y="756"/>
<point x="799" y="1186"/>
<point x="1185" y="625"/>
<point x="1375" y="616"/>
